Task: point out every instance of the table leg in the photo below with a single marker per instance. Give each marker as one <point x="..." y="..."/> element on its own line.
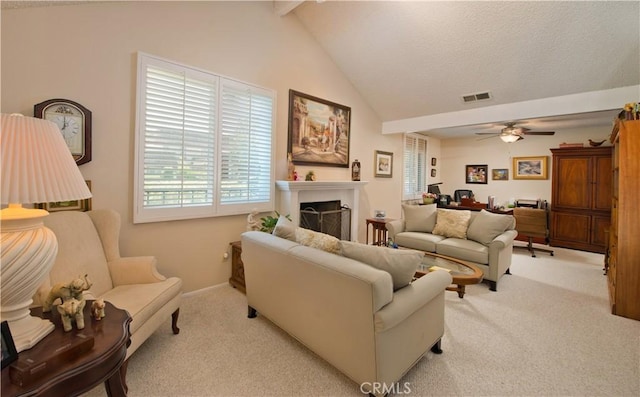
<point x="116" y="385"/>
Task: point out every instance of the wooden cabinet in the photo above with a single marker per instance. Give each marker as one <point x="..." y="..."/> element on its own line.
<point x="237" y="267"/>
<point x="623" y="259"/>
<point x="581" y="198"/>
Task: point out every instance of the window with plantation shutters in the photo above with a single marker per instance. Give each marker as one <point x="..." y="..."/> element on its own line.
<point x="203" y="144"/>
<point x="415" y="167"/>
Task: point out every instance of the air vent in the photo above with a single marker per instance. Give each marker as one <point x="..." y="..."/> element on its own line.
<point x="479" y="96"/>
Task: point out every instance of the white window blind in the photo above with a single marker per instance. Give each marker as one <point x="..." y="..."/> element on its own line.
<point x="415" y="167"/>
<point x="203" y="144"/>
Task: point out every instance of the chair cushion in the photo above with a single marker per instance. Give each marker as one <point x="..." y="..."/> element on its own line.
<point x="467" y="250"/>
<point x="400" y="264"/>
<point x="285" y="228"/>
<point x="452" y="223"/>
<point x="419" y="218"/>
<point x="143" y="300"/>
<point x="486" y="226"/>
<point x="418" y="240"/>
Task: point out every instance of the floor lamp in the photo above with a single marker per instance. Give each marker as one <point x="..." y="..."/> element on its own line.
<point x="37" y="167"/>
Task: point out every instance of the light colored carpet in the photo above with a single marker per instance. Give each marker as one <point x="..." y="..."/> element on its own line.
<point x="546" y="332"/>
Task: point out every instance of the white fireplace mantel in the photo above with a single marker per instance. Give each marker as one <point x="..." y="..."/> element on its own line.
<point x="292" y="193"/>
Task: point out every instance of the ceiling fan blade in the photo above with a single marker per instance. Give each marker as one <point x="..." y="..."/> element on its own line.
<point x="487" y="136"/>
<point x="488" y="133"/>
<point x="539" y="132"/>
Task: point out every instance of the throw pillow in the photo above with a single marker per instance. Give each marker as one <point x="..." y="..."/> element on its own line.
<point x="452" y="223"/>
<point x="401" y="264"/>
<point x="419" y="218"/>
<point x="285" y="228"/>
<point x="486" y="226"/>
<point x="318" y="240"/>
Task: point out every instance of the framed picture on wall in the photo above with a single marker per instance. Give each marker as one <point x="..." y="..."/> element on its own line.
<point x="500" y="174"/>
<point x="319" y="131"/>
<point x="383" y="162"/>
<point x="534" y="167"/>
<point x="73" y="205"/>
<point x="433" y="173"/>
<point x="433" y="161"/>
<point x="476" y="173"/>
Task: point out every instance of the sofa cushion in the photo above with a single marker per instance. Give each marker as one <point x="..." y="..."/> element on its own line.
<point x="486" y="226"/>
<point x="285" y="228"/>
<point x="401" y="264"/>
<point x="418" y="240"/>
<point x="318" y="240"/>
<point x="419" y="218"/>
<point x="452" y="223"/>
<point x="467" y="250"/>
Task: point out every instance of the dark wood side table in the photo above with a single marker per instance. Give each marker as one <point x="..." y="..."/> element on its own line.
<point x="379" y="226"/>
<point x="83" y="371"/>
<point x="237" y="267"/>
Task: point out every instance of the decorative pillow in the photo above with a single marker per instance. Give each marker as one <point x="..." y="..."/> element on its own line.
<point x="487" y="226"/>
<point x="318" y="240"/>
<point x="419" y="218"/>
<point x="285" y="228"/>
<point x="452" y="223"/>
<point x="401" y="264"/>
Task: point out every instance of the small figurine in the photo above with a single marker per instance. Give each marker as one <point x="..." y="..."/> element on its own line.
<point x="72" y="310"/>
<point x="97" y="309"/>
<point x="71" y="290"/>
<point x="252" y="222"/>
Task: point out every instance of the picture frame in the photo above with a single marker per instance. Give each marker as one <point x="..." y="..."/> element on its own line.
<point x="433" y="173"/>
<point x="72" y="205"/>
<point x="476" y="173"/>
<point x="532" y="167"/>
<point x="319" y="131"/>
<point x="9" y="352"/>
<point x="383" y="162"/>
<point x="500" y="174"/>
<point x="433" y="161"/>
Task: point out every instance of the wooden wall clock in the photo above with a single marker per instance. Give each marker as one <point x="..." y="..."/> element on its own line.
<point x="74" y="121"/>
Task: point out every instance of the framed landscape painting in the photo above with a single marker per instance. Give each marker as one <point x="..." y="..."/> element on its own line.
<point x="319" y="131"/>
<point x="534" y="167"/>
<point x="500" y="174"/>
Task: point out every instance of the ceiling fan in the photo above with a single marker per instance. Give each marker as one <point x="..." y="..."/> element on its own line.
<point x="511" y="133"/>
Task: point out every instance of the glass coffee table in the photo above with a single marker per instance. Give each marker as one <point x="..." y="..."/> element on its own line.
<point x="463" y="273"/>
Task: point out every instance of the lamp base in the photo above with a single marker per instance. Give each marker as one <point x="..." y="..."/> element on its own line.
<point x="28" y="250"/>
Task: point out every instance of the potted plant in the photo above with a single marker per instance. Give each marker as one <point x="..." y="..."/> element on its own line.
<point x="429" y="198"/>
<point x="269" y="222"/>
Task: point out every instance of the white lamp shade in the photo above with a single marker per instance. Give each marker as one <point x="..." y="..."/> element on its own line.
<point x="509" y="138"/>
<point x="37" y="166"/>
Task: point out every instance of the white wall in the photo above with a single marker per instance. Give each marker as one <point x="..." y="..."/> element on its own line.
<point x="457" y="153"/>
<point x="87" y="53"/>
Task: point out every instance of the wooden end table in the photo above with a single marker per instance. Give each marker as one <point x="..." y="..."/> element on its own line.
<point x="463" y="273"/>
<point x="80" y="372"/>
<point x="379" y="226"/>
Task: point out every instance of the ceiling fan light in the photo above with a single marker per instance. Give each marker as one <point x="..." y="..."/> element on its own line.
<point x="509" y="138"/>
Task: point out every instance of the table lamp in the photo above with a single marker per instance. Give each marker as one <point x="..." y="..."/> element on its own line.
<point x="37" y="167"/>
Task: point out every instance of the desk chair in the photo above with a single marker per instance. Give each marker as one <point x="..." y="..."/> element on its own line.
<point x="458" y="195"/>
<point x="532" y="223"/>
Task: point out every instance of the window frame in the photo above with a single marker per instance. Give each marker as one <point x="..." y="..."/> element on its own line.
<point x="142" y="214"/>
<point x="411" y="172"/>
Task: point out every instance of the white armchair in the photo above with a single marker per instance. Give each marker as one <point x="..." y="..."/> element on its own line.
<point x="88" y="243"/>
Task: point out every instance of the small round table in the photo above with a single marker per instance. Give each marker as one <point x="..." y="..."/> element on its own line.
<point x="80" y="372"/>
<point x="463" y="273"/>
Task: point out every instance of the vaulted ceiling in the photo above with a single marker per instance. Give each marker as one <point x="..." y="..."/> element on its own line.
<point x="415" y="60"/>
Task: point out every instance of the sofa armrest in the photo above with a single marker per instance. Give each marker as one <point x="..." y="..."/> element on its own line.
<point x="503" y="240"/>
<point x="394" y="227"/>
<point x="134" y="270"/>
<point x="411" y="298"/>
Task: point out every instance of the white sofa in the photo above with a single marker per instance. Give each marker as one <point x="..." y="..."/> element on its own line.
<point x="484" y="239"/>
<point x="88" y="243"/>
<point x="344" y="310"/>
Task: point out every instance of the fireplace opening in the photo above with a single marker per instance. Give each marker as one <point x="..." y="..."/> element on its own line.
<point x="327" y="217"/>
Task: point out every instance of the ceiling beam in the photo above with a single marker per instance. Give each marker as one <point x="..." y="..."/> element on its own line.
<point x="593" y="101"/>
<point x="282" y="8"/>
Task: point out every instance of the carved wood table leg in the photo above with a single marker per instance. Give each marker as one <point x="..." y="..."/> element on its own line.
<point x="174" y="321"/>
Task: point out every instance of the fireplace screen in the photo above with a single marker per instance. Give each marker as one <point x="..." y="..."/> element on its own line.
<point x="333" y="222"/>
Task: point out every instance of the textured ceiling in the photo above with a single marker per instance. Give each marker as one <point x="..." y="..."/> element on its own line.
<point x="417" y="58"/>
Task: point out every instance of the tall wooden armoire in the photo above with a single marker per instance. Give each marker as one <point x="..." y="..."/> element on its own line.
<point x="581" y="198"/>
<point x="623" y="261"/>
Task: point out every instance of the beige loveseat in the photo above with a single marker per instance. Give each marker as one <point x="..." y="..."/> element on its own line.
<point x="481" y="237"/>
<point x="88" y="243"/>
<point x="344" y="310"/>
